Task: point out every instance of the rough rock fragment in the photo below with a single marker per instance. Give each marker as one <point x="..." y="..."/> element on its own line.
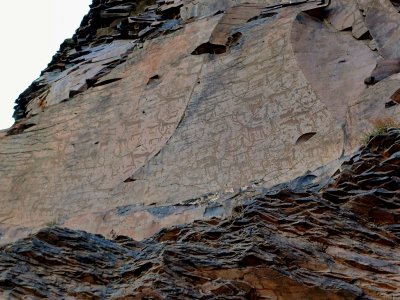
<point x="359" y="29"/>
<point x="384" y="68"/>
<point x="343" y="14"/>
<point x="232" y="18"/>
<point x="334" y="64"/>
<point x="383" y="22"/>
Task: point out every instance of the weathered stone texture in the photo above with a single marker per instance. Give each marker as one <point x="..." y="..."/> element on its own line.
<point x="200" y="145"/>
<point x="102" y="136"/>
<point x="341" y="242"/>
<point x="242" y="122"/>
<point x="383" y="22"/>
<point x="156" y="107"/>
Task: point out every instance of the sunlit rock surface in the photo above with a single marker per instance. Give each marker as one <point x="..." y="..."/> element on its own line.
<point x="209" y="149"/>
<point x="338" y="242"/>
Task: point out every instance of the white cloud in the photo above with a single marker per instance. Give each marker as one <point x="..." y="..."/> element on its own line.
<point x="30" y="33"/>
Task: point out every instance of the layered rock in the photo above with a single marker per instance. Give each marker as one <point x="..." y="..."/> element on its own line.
<point x="338" y="242"/>
<point x="158" y="115"/>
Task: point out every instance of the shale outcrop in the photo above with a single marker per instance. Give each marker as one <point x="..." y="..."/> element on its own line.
<point x="341" y="241"/>
<point x="209" y="150"/>
<point x="154" y="110"/>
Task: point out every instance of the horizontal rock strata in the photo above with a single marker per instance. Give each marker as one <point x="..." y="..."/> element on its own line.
<point x="338" y="242"/>
<point x="157" y="113"/>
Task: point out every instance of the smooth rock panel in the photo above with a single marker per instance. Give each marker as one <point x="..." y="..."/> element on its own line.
<point x="247" y="111"/>
<point x="82" y="148"/>
<point x="383" y="22"/>
<point x="335" y="64"/>
<point x="169" y="128"/>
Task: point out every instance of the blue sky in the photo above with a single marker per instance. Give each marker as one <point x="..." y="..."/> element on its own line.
<point x="30" y="33"/>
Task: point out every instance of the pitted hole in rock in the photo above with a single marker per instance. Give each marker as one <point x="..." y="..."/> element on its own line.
<point x="253" y="260"/>
<point x="153" y="81"/>
<point x="394" y="100"/>
<point x="73" y="93"/>
<point x="390" y="104"/>
<point x="262" y="16"/>
<point x="108" y="81"/>
<point x="370" y="80"/>
<point x="19" y="128"/>
<point x="305" y="137"/>
<point x="127" y="271"/>
<point x="219" y="12"/>
<point x="165" y="235"/>
<point x="209" y="48"/>
<point x="396" y="4"/>
<point x="234" y="39"/>
<point x="90" y="82"/>
<point x="172" y="13"/>
<point x="130" y="180"/>
<point x="396" y="97"/>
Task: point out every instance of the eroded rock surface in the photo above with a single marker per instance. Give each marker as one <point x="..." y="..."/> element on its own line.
<point x="338" y="242"/>
<point x="158" y="113"/>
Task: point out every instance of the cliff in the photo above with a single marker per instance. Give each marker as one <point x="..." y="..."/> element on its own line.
<point x="338" y="242"/>
<point x="227" y="120"/>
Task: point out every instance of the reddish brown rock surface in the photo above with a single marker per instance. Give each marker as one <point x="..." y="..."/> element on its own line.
<point x="152" y="104"/>
<point x="341" y="242"/>
<point x="165" y="113"/>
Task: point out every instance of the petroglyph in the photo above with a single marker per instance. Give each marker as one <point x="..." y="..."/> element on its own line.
<point x="162" y="126"/>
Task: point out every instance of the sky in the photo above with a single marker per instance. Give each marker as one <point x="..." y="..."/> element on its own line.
<point x="30" y="34"/>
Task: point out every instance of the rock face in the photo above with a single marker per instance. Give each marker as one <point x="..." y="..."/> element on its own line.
<point x="155" y="110"/>
<point x="165" y="113"/>
<point x="338" y="242"/>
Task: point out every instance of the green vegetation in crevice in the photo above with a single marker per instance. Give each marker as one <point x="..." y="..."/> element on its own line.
<point x="380" y="126"/>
